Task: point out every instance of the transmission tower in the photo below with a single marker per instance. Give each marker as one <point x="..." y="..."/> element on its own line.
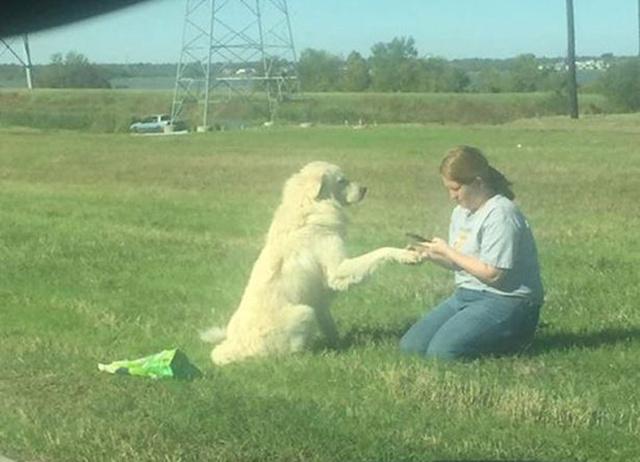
<point x="234" y="48"/>
<point x="8" y="45"/>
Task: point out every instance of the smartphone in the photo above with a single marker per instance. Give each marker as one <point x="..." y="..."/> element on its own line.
<point x="417" y="237"/>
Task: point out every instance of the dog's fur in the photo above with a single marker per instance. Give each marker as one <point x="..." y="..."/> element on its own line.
<point x="302" y="263"/>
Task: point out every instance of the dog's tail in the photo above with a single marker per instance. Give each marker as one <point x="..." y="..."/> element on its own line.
<point x="213" y="335"/>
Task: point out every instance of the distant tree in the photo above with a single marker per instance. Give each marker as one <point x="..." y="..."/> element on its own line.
<point x="457" y="80"/>
<point x="356" y="75"/>
<point x="72" y="71"/>
<point x="621" y="84"/>
<point x="490" y="80"/>
<point x="607" y="56"/>
<point x="524" y="74"/>
<point x="319" y="70"/>
<point x="11" y="72"/>
<point x="438" y="75"/>
<point x="556" y="81"/>
<point x="394" y="65"/>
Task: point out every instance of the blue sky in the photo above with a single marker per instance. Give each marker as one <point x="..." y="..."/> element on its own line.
<point x="152" y="32"/>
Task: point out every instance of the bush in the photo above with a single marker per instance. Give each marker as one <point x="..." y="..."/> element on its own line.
<point x="74" y="71"/>
<point x="111" y="111"/>
<point x="621" y="85"/>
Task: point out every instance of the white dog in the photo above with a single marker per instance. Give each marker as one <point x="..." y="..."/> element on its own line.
<point x="302" y="263"/>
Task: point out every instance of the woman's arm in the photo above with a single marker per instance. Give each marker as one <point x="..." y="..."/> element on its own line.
<point x="446" y="256"/>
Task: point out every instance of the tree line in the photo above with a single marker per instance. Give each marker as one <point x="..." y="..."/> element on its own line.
<point x="394" y="66"/>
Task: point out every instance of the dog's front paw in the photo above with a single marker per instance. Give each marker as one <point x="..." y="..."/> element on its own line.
<point x="409" y="257"/>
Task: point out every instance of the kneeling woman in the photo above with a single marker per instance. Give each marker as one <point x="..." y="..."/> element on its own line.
<point x="496" y="304"/>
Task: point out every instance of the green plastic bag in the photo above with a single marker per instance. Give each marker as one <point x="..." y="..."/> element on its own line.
<point x="168" y="363"/>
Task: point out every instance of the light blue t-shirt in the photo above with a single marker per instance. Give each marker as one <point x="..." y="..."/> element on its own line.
<point x="498" y="234"/>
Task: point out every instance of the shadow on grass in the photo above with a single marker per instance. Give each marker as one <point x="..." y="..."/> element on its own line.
<point x="547" y="342"/>
<point x="372" y="335"/>
<point x="543" y="342"/>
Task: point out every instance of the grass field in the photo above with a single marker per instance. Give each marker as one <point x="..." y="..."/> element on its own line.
<point x="112" y="111"/>
<point x="114" y="246"/>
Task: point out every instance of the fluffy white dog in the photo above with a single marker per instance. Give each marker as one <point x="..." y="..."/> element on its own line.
<point x="301" y="265"/>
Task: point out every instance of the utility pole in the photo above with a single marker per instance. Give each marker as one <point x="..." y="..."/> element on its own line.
<point x="571" y="62"/>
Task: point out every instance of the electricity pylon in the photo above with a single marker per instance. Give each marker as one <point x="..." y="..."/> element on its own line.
<point x="26" y="61"/>
<point x="241" y="46"/>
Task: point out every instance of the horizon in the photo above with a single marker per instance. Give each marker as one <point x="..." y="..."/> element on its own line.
<point x="473" y="58"/>
<point x="151" y="32"/>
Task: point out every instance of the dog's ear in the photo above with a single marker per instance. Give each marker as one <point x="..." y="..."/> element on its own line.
<point x="323" y="188"/>
<point x="315" y="186"/>
<point x="312" y="183"/>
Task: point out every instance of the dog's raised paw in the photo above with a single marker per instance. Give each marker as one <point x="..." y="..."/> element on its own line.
<point x="410" y="257"/>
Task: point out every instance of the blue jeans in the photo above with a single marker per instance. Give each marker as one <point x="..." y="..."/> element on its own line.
<point x="473" y="323"/>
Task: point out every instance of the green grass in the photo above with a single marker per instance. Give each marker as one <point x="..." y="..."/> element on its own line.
<point x="115" y="247"/>
<point x="112" y="111"/>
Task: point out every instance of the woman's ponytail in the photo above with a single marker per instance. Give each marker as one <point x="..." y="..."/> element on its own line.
<point x="500" y="184"/>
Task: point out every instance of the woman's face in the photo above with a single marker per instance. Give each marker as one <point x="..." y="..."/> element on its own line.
<point x="470" y="196"/>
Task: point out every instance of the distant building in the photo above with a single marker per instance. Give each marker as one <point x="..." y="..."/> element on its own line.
<point x="590" y="64"/>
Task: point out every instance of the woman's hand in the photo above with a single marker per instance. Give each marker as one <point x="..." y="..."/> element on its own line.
<point x="436" y="249"/>
<point x="444" y="255"/>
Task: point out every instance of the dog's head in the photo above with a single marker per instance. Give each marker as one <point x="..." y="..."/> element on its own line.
<point x="324" y="181"/>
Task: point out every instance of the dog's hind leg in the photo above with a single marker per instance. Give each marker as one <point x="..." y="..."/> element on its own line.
<point x="290" y="335"/>
<point x="233" y="351"/>
<point x="297" y="329"/>
<point x="327" y="325"/>
<point x="223" y="354"/>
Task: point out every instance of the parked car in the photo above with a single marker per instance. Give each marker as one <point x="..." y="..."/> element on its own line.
<point x="155" y="123"/>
